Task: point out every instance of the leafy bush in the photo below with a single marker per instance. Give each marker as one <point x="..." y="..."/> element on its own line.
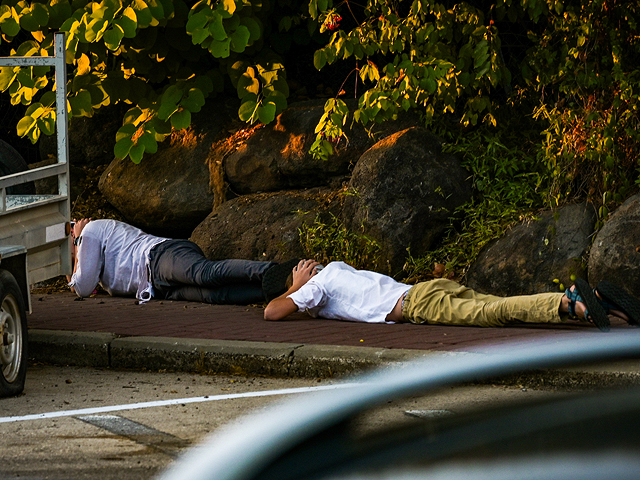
<point x="480" y="72"/>
<point x="585" y="67"/>
<point x="331" y="241"/>
<point x="573" y="65"/>
<point x="574" y="62"/>
<point x="165" y="58"/>
<point x="510" y="185"/>
<point x="570" y="66"/>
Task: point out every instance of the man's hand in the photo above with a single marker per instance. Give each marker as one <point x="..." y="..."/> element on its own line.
<point x="302" y="273"/>
<point x="282" y="306"/>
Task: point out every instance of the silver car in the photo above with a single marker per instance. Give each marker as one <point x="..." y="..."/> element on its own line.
<point x="581" y="435"/>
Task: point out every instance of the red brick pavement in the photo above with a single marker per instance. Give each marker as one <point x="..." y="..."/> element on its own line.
<point x="122" y="316"/>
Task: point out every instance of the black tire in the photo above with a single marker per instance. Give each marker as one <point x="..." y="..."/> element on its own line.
<point x="13" y="336"/>
<point x="12" y="162"/>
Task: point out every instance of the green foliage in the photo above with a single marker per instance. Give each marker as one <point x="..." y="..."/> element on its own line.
<point x="509" y="184"/>
<point x="328" y="242"/>
<point x="586" y="61"/>
<point x="263" y="91"/>
<point x="329" y="128"/>
<point x="430" y="58"/>
<point x="165" y="58"/>
<point x="571" y="65"/>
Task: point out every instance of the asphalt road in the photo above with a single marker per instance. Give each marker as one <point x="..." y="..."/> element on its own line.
<point x="78" y="423"/>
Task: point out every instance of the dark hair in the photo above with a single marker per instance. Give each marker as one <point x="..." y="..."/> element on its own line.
<point x="289" y="281"/>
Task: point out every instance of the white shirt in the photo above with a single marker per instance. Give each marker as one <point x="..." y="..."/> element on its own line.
<point x="116" y="255"/>
<point x="341" y="292"/>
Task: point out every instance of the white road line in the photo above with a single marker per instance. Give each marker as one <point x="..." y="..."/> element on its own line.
<point x="175" y="401"/>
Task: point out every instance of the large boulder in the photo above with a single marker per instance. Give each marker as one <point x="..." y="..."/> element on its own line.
<point x="615" y="254"/>
<point x="259" y="226"/>
<point x="276" y="157"/>
<point x="530" y="256"/>
<point x="168" y="192"/>
<point x="403" y="191"/>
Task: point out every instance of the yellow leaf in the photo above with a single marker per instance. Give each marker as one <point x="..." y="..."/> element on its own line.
<point x="84" y="65"/>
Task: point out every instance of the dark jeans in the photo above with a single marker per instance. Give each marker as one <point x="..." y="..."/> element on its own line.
<point x="180" y="271"/>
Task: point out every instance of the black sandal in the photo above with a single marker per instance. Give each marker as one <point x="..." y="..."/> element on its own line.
<point x="594" y="311"/>
<point x="613" y="297"/>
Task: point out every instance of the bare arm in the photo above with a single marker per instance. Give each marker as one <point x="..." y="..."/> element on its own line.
<point x="280" y="307"/>
<point x="90" y="274"/>
<point x="74" y="263"/>
<point x="76" y="231"/>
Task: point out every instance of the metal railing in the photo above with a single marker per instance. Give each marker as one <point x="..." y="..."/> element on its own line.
<point x="61" y="169"/>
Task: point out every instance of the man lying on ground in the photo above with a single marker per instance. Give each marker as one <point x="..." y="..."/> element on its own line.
<point x="339" y="291"/>
<point x="125" y="261"/>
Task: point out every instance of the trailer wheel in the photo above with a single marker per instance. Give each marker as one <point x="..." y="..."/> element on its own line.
<point x="13" y="336"/>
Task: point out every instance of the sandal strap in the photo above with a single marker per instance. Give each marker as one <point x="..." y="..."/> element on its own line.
<point x="574" y="297"/>
<point x="607" y="305"/>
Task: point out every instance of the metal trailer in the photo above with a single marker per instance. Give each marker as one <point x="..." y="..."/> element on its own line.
<point x="34" y="232"/>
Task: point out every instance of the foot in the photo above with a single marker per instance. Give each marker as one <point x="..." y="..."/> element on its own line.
<point x="619" y="314"/>
<point x="580" y="301"/>
<point x="618" y="302"/>
<point x="580" y="307"/>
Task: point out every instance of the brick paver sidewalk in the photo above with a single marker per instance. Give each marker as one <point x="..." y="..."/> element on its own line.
<point x="123" y="317"/>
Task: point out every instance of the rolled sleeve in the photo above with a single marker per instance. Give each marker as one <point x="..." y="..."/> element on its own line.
<point x="90" y="261"/>
<point x="309" y="298"/>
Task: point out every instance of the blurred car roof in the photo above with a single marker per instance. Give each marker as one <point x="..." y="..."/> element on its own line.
<point x="309" y="437"/>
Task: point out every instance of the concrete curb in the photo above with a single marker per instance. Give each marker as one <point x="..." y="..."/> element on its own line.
<point x="106" y="350"/>
<point x="70" y="348"/>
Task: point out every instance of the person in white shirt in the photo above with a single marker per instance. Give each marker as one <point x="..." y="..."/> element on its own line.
<point x="339" y="291"/>
<point x="126" y="261"/>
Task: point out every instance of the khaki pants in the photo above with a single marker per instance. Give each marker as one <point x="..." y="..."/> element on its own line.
<point x="446" y="302"/>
